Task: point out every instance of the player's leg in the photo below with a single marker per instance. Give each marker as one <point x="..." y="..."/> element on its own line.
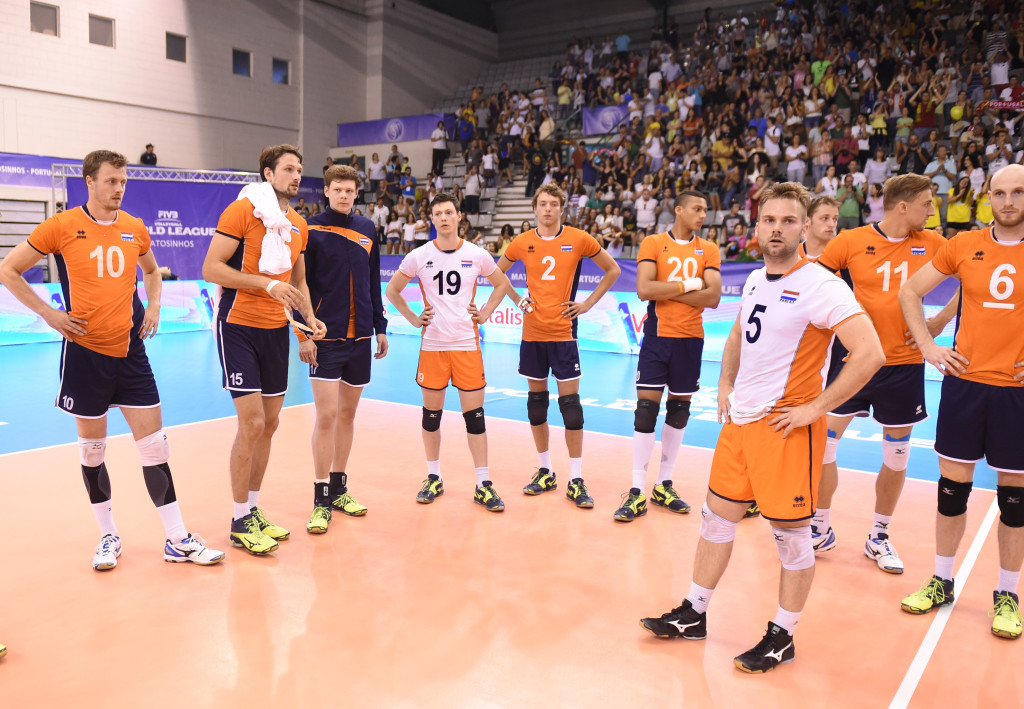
<point x="1006" y="615"/>
<point x="326" y="396"/>
<point x="888" y="486"/>
<point x="92" y="447"/>
<point x="822" y="535"/>
<point x="534" y="366"/>
<point x="433" y="406"/>
<point x="271" y="405"/>
<point x="572" y="418"/>
<point x="246" y="531"/>
<point x="473" y="414"/>
<point x="344" y="433"/>
<point x="684" y="381"/>
<point x="645" y="418"/>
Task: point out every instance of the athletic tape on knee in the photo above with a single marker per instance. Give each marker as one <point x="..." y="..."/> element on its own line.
<point x="677" y="413"/>
<point x="154" y="448"/>
<point x="896" y="452"/>
<point x="475" y="420"/>
<point x="537" y="407"/>
<point x="431" y="419"/>
<point x="572" y="412"/>
<point x="91" y="451"/>
<point x="1011" y="505"/>
<point x="953" y="497"/>
<point x="796" y="550"/>
<point x="715" y="529"/>
<point x="646" y="415"/>
<point x="831" y="446"/>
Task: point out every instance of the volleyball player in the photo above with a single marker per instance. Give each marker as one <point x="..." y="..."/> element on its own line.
<point x="343" y="275"/>
<point x="679" y="273"/>
<point x="103" y="358"/>
<point x="447" y="269"/>
<point x="252" y="328"/>
<point x="822" y="216"/>
<point x="771" y="401"/>
<point x="552" y="254"/>
<point x="982" y="402"/>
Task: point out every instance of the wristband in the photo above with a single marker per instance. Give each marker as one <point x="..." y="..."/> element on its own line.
<point x="681" y="291"/>
<point x="691" y="284"/>
<point x="270" y="286"/>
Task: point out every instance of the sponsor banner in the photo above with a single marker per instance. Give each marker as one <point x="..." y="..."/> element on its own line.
<point x="390" y="130"/>
<point x="184" y="306"/>
<point x="1006" y="105"/>
<point x="18" y="170"/>
<point x="603" y="118"/>
<point x="181" y="217"/>
<point x="312" y="188"/>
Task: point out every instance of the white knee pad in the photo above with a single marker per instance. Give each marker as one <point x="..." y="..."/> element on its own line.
<point x="154" y="449"/>
<point x="714" y="528"/>
<point x="831" y="446"/>
<point x="796" y="550"/>
<point x="896" y="453"/>
<point x="91" y="451"/>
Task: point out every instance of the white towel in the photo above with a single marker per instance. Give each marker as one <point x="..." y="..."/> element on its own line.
<point x="275" y="256"/>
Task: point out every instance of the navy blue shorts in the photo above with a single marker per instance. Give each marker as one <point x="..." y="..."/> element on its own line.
<point x="672" y="361"/>
<point x="343" y="360"/>
<point x="894" y="396"/>
<point x="561" y="359"/>
<point x="253" y="359"/>
<point x="91" y="383"/>
<point x="981" y="421"/>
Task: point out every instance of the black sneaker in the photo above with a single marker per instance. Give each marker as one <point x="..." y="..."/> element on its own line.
<point x="776" y="648"/>
<point x="543" y="480"/>
<point x="577" y="492"/>
<point x="681" y="622"/>
<point x="432" y="488"/>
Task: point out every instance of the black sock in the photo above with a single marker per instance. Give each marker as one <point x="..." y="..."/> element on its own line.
<point x="339" y="483"/>
<point x="321" y="494"/>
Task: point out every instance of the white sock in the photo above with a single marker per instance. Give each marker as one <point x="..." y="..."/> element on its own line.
<point x="241" y="510"/>
<point x="254" y="497"/>
<point x="481" y="476"/>
<point x="104" y="512"/>
<point x="699" y="597"/>
<point x="434" y="468"/>
<point x="787" y="620"/>
<point x="643" y="444"/>
<point x="944" y="567"/>
<point x="671" y="439"/>
<point x="1008" y="580"/>
<point x="575" y="468"/>
<point x="881" y="526"/>
<point x="545" y="460"/>
<point x="174" y="525"/>
<point x="822" y="519"/>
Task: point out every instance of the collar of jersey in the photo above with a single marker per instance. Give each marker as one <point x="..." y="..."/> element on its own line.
<point x="878" y="229"/>
<point x="117" y="215"/>
<point x="550" y="238"/>
<point x="779" y="276"/>
<point x="443" y="251"/>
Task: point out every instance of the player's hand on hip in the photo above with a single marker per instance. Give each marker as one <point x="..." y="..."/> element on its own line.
<point x="1019" y="376"/>
<point x="945" y="359"/>
<point x="307" y="352"/>
<point x="382" y="346"/>
<point x="723" y="404"/>
<point x="150" y="322"/>
<point x="67" y="325"/>
<point x="573" y="310"/>
<point x="792" y="417"/>
<point x="426" y="315"/>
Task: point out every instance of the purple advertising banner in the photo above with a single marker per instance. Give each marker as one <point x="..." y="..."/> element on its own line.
<point x="388" y="130"/>
<point x="603" y="118"/>
<point x="18" y="170"/>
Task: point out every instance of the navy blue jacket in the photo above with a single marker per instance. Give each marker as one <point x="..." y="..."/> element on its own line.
<point x="343" y="274"/>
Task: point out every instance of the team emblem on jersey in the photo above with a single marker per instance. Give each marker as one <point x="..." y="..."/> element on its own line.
<point x="789" y="296"/>
<point x="428" y="264"/>
<point x="529" y="249"/>
<point x="126" y="236"/>
<point x="80" y="234"/>
<point x="295" y="229"/>
<point x="467" y="264"/>
<point x="699" y="252"/>
<point x="978" y="256"/>
<point x="917" y="251"/>
<point x="870" y="250"/>
<point x="567" y="247"/>
<point x="798" y="501"/>
<point x="363" y="240"/>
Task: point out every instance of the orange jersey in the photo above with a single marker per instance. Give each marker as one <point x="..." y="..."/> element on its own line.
<point x="676" y="261"/>
<point x="255" y="307"/>
<point x="990" y="331"/>
<point x="552" y="275"/>
<point x="877" y="267"/>
<point x="97" y="266"/>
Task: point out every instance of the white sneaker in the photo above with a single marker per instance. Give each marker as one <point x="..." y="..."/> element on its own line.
<point x="191" y="548"/>
<point x="883" y="552"/>
<point x="107" y="552"/>
<point x="822" y="542"/>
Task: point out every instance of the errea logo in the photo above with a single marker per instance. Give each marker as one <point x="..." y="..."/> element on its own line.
<point x="978" y="256"/>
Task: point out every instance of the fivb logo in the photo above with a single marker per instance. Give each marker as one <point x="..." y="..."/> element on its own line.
<point x="167" y="214"/>
<point x="394" y="129"/>
<point x="608" y="117"/>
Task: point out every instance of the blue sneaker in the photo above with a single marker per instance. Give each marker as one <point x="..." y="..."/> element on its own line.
<point x="822" y="542"/>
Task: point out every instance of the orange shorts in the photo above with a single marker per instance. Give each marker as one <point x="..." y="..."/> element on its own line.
<point x="754" y="463"/>
<point x="463" y="368"/>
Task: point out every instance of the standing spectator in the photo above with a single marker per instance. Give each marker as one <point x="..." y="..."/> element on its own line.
<point x="796" y="161"/>
<point x="408" y="183"/>
<point x="535" y="164"/>
<point x="393" y="235"/>
<point x="380" y="215"/>
<point x="960" y="204"/>
<point x="646" y="213"/>
<point x="850" y="198"/>
<point x="942" y="171"/>
<point x="148" y="157"/>
<point x="828" y="185"/>
<point x="376" y="171"/>
<point x="622" y="46"/>
<point x="466" y="131"/>
<point x="439" y="146"/>
<point x="471" y="188"/>
<point x="877" y="170"/>
<point x="874" y="209"/>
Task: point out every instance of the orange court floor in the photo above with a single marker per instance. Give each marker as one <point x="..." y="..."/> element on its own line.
<point x="447" y="605"/>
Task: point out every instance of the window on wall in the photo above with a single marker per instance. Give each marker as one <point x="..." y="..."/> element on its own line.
<point x="280" y="70"/>
<point x="101" y="31"/>
<point x="45" y="19"/>
<point x="175" y="47"/>
<point x="241" y="62"/>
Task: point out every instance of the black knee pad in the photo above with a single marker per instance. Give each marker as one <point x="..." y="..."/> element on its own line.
<point x="1011" y="505"/>
<point x="646" y="415"/>
<point x="160" y="484"/>
<point x="953" y="497"/>
<point x="537" y="407"/>
<point x="475" y="420"/>
<point x="572" y="412"/>
<point x="677" y="413"/>
<point x="431" y="419"/>
<point x="97" y="482"/>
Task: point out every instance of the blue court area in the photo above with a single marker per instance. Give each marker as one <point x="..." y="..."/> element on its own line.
<point x="188" y="375"/>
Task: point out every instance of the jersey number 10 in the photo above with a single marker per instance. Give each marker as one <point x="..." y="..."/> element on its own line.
<point x="114" y="261"/>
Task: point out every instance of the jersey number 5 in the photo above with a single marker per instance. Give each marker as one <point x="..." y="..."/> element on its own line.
<point x="114" y="261"/>
<point x="756" y="322"/>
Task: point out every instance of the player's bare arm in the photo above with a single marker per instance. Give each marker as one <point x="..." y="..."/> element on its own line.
<point x="153" y="283"/>
<point x="911" y="297"/>
<point x="394" y="294"/>
<point x="730" y="368"/>
<point x="524" y="303"/>
<point x="937" y="323"/>
<point x="703" y="292"/>
<point x="611" y="270"/>
<point x="12" y="269"/>
<point x="216" y="270"/>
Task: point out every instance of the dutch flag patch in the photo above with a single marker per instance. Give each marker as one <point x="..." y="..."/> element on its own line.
<point x="789" y="296"/>
<point x="125" y="236"/>
<point x="567" y="248"/>
<point x="917" y="251"/>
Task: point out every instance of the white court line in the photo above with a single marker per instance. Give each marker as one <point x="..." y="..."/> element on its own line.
<point x="931" y="640"/>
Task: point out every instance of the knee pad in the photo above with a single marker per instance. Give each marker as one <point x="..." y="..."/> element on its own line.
<point x="154" y="448"/>
<point x="677" y="413"/>
<point x="896" y="452"/>
<point x="831" y="446"/>
<point x="796" y="550"/>
<point x="715" y="529"/>
<point x="572" y="412"/>
<point x="475" y="420"/>
<point x="159" y="483"/>
<point x="953" y="497"/>
<point x="1011" y="505"/>
<point x="646" y="415"/>
<point x="537" y="407"/>
<point x="91" y="451"/>
<point x="431" y="419"/>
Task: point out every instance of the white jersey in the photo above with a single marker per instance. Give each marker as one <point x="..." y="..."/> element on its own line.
<point x="786" y="326"/>
<point x="448" y="283"/>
